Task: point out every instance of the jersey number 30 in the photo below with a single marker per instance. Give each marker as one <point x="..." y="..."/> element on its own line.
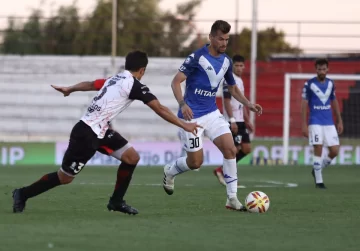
<point x="194" y="143"/>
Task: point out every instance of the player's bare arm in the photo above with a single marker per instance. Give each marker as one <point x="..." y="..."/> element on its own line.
<point x="167" y="115"/>
<point x="233" y="126"/>
<point x="304" y="127"/>
<point x="176" y="87"/>
<point x="339" y="123"/>
<point x="82" y="86"/>
<point x="239" y="96"/>
<point x="247" y="121"/>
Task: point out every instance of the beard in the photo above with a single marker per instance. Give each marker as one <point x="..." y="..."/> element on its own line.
<point x="321" y="76"/>
<point x="221" y="50"/>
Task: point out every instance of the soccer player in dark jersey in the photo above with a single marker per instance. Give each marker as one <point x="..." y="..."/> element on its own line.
<point x="92" y="133"/>
<point x="319" y="96"/>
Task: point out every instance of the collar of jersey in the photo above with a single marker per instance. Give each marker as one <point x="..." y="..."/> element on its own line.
<point x="207" y="50"/>
<point x="127" y="73"/>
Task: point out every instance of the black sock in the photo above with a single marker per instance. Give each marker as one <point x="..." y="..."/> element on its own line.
<point x="47" y="182"/>
<point x="240" y="155"/>
<point x="124" y="175"/>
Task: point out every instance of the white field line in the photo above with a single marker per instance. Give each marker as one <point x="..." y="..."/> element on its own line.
<point x="268" y="183"/>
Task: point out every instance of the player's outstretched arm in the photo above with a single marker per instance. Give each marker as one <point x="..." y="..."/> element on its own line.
<point x="82" y="86"/>
<point x="167" y="115"/>
<point x="304" y="127"/>
<point x="176" y="87"/>
<point x="339" y="122"/>
<point x="239" y="96"/>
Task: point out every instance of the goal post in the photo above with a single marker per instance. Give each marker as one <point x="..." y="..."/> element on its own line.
<point x="287" y="95"/>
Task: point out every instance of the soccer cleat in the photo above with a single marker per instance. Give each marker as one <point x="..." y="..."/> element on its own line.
<point x="235" y="204"/>
<point x="219" y="175"/>
<point x="317" y="185"/>
<point x="122" y="207"/>
<point x="168" y="182"/>
<point x="18" y="202"/>
<point x="320" y="185"/>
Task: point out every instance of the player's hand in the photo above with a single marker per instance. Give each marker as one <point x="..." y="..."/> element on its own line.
<point x="64" y="90"/>
<point x="256" y="108"/>
<point x="187" y="112"/>
<point x="191" y="127"/>
<point x="305" y="131"/>
<point x="340" y="127"/>
<point x="234" y="128"/>
<point x="250" y="127"/>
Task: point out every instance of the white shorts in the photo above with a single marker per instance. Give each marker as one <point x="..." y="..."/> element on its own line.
<point x="323" y="135"/>
<point x="214" y="125"/>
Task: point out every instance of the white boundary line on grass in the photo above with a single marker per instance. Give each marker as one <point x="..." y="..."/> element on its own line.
<point x="110" y="184"/>
<point x="273" y="183"/>
<point x="268" y="183"/>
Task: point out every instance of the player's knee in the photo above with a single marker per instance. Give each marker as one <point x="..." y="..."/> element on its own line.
<point x="246" y="149"/>
<point x="333" y="152"/>
<point x="318" y="150"/>
<point x="64" y="178"/>
<point x="131" y="157"/>
<point x="230" y="152"/>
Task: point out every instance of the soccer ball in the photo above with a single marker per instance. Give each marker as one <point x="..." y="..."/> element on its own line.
<point x="257" y="202"/>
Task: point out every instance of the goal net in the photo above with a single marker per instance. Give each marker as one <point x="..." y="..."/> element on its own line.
<point x="348" y="96"/>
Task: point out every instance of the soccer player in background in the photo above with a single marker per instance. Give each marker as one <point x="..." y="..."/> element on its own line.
<point x="319" y="96"/>
<point x="92" y="133"/>
<point x="203" y="71"/>
<point x="237" y="116"/>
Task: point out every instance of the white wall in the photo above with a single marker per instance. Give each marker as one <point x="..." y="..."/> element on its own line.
<point x="32" y="110"/>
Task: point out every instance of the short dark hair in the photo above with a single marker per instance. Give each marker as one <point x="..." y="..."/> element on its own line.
<point x="220" y="25"/>
<point x="321" y="61"/>
<point x="136" y="60"/>
<point x="238" y="58"/>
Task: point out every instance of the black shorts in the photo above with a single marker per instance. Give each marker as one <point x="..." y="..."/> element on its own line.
<point x="84" y="143"/>
<point x="242" y="135"/>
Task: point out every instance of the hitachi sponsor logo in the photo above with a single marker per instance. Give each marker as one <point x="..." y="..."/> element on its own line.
<point x="205" y="93"/>
<point x="322" y="107"/>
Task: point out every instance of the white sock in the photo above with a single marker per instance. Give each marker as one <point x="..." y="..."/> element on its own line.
<point x="317" y="169"/>
<point x="230" y="177"/>
<point x="326" y="162"/>
<point x="183" y="152"/>
<point x="178" y="167"/>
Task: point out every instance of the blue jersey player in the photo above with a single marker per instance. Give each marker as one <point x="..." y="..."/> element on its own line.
<point x="203" y="71"/>
<point x="319" y="96"/>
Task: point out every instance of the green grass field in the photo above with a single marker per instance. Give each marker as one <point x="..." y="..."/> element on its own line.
<point x="74" y="217"/>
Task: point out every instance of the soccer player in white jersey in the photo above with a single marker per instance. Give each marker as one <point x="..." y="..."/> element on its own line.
<point x="92" y="133"/>
<point x="319" y="96"/>
<point x="237" y="116"/>
<point x="203" y="71"/>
